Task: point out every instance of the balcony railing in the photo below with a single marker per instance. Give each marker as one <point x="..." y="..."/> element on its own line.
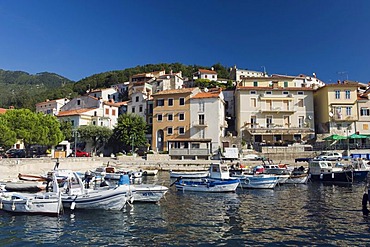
<point x="187" y="152"/>
<point x="200" y="124"/>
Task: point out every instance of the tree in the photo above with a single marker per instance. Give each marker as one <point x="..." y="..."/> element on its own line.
<point x="97" y="135"/>
<point x="33" y="128"/>
<point x="66" y="128"/>
<point x="130" y="131"/>
<point x="7" y="136"/>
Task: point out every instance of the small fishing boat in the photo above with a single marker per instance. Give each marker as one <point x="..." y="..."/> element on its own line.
<point x="207" y="185"/>
<point x="325" y="171"/>
<point x="297" y="178"/>
<point x="258" y="181"/>
<point x="148" y="192"/>
<point x="34" y="178"/>
<point x="46" y="203"/>
<point x="189" y="175"/>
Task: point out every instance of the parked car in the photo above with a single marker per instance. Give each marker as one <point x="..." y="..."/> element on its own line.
<point x="80" y="153"/>
<point x="15" y="153"/>
<point x="332" y="156"/>
<point x="251" y="157"/>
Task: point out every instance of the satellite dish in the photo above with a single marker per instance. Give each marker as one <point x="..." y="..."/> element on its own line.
<point x="309" y="117"/>
<point x="206" y="90"/>
<point x="331" y="114"/>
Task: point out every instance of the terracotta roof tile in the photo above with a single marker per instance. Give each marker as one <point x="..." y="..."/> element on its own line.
<point x="174" y="91"/>
<point x="207" y="71"/>
<point x="209" y="94"/>
<point x="73" y="112"/>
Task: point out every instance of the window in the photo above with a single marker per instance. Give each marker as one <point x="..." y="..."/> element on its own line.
<point x="169" y="130"/>
<point x="182" y="101"/>
<point x="364" y="111"/>
<point x="269" y="121"/>
<point x="137" y="99"/>
<point x="253" y="92"/>
<point x="253" y="121"/>
<point x="73" y="122"/>
<point x="253" y="102"/>
<point x="348" y="94"/>
<point x="255" y="84"/>
<point x="160" y="102"/>
<point x="337" y="94"/>
<point x="159" y="117"/>
<point x="181" y="116"/>
<point x="170" y="102"/>
<point x="133" y="109"/>
<point x="181" y="131"/>
<point x="300" y="122"/>
<point x="285" y="92"/>
<point x="201" y="119"/>
<point x="150" y="120"/>
<point x="300" y="93"/>
<point x="94" y="123"/>
<point x="201" y="134"/>
<point x="268" y="92"/>
<point x="95" y="114"/>
<point x="107" y="111"/>
<point x="365" y="126"/>
<point x="285" y="84"/>
<point x="78" y="102"/>
<point x="348" y="110"/>
<point x="201" y="106"/>
<point x="113" y="112"/>
<point x="170" y="117"/>
<point x="300" y="103"/>
<point x="141" y="108"/>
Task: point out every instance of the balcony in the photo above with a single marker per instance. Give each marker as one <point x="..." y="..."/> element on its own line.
<point x="340" y="118"/>
<point x="200" y="124"/>
<point x="276" y="130"/>
<point x="189" y="152"/>
<point x="278" y="110"/>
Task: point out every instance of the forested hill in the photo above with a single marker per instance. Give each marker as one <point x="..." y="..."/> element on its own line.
<point x="23" y="90"/>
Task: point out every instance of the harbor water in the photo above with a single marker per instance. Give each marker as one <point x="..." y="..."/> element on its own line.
<point x="290" y="215"/>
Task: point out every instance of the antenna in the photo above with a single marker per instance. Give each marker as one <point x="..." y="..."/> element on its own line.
<point x="342" y="73"/>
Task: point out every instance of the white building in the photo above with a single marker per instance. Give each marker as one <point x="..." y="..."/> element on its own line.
<point x="205" y="74"/>
<point x="51" y="107"/>
<point x="88" y="110"/>
<point x="207" y="114"/>
<point x="105" y="94"/>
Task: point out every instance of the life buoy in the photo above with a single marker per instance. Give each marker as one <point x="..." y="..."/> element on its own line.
<point x="246" y="181"/>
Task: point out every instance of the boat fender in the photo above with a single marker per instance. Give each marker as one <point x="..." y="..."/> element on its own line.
<point x="1" y="203"/>
<point x="247" y="181"/>
<point x="13" y="206"/>
<point x="321" y="176"/>
<point x="332" y="175"/>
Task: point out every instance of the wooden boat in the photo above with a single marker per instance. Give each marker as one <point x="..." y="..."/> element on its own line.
<point x="207" y="185"/>
<point x="34" y="178"/>
<point x="296" y="178"/>
<point x="76" y="196"/>
<point x="200" y="174"/>
<point x="148" y="192"/>
<point x="25" y="186"/>
<point x="47" y="203"/>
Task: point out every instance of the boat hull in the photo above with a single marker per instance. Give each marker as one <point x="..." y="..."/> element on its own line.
<point x="297" y="179"/>
<point x="148" y="192"/>
<point x="31" y="204"/>
<point x="105" y="198"/>
<point x="333" y="177"/>
<point x="202" y="174"/>
<point x="208" y="186"/>
<point x="259" y="182"/>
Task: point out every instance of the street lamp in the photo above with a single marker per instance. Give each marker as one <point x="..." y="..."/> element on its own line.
<point x="76" y="135"/>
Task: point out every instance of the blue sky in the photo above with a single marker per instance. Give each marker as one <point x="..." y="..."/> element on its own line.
<point x="79" y="38"/>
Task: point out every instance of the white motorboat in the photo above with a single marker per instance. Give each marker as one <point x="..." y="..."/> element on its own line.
<point x="76" y="196"/>
<point x="199" y="174"/>
<point x="148" y="192"/>
<point x="296" y="178"/>
<point x="47" y="203"/>
<point x="150" y="172"/>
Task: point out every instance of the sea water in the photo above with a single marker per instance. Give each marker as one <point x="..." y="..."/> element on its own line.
<point x="290" y="215"/>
